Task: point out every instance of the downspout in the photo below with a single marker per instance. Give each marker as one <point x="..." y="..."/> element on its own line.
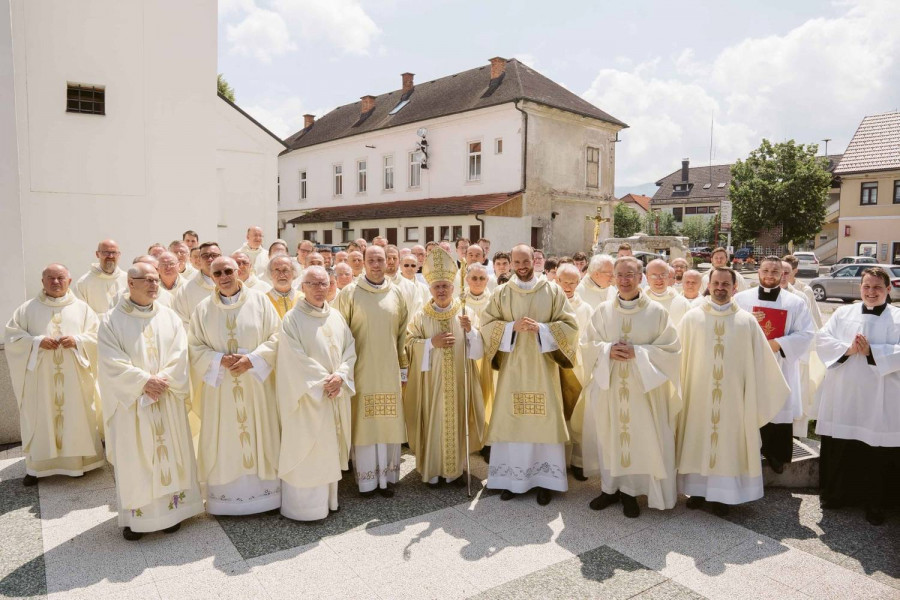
<point x="524" y="146"/>
<point x="483" y="227"/>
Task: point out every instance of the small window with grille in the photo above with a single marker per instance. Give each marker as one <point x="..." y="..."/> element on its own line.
<point x="86" y="99"/>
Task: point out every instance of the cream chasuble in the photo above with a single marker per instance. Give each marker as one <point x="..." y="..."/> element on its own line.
<point x="592" y="293"/>
<point x="486" y="375"/>
<point x="99" y="289"/>
<point x="147" y="441"/>
<point x="859" y="400"/>
<point x="259" y="258"/>
<point x="435" y="394"/>
<point x="55" y="388"/>
<point x="239" y="435"/>
<point x="741" y="282"/>
<point x="731" y="385"/>
<point x="412" y="293"/>
<point x="377" y="316"/>
<point x="255" y="283"/>
<point x="188" y="273"/>
<point x="632" y="406"/>
<point x="573" y="381"/>
<point x="674" y="303"/>
<point x="189" y="295"/>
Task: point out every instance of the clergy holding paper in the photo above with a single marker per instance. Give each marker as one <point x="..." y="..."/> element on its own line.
<point x="859" y="402"/>
<point x="314" y="383"/>
<point x="49" y="342"/>
<point x="442" y="343"/>
<point x="732" y="386"/>
<point x="144" y="377"/>
<point x="232" y="348"/>
<point x="632" y="399"/>
<point x="529" y="331"/>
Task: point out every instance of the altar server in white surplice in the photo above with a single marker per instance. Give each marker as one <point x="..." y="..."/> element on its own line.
<point x="789" y="328"/>
<point x="145" y="383"/>
<point x="50" y="341"/>
<point x="314" y="384"/>
<point x="232" y="340"/>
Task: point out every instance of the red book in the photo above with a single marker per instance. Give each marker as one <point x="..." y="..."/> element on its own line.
<point x="773" y="323"/>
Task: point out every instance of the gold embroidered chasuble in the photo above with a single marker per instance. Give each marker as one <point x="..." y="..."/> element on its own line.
<point x="433" y="401"/>
<point x="674" y="303"/>
<point x="190" y="294"/>
<point x="572" y="380"/>
<point x="378" y="317"/>
<point x="486" y="375"/>
<point x="239" y="432"/>
<point x="528" y="403"/>
<point x="99" y="289"/>
<point x="55" y="389"/>
<point x="632" y="406"/>
<point x="281" y="303"/>
<point x="731" y="385"/>
<point x="315" y="440"/>
<point x="149" y="443"/>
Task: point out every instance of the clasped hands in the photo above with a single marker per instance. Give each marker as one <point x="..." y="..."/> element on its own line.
<point x="332" y="385"/>
<point x="49" y="343"/>
<point x="860" y="345"/>
<point x="446" y="340"/>
<point x="621" y="351"/>
<point x="156" y="386"/>
<point x="237" y="364"/>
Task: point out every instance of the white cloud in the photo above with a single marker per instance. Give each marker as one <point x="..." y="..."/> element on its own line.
<point x="269" y="28"/>
<point x="817" y="80"/>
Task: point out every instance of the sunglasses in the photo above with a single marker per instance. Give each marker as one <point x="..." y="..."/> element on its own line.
<point x="227" y="272"/>
<point x="209" y="255"/>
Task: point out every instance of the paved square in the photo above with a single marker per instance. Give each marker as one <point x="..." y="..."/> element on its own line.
<point x="61" y="541"/>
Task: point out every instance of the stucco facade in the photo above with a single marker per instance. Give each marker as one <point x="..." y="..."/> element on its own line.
<point x="870" y="228"/>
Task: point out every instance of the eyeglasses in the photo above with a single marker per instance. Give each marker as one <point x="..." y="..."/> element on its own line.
<point x="626" y="275"/>
<point x="210" y="256"/>
<point x="412" y="265"/>
<point x="477" y="278"/>
<point x="109" y="252"/>
<point x="226" y="272"/>
<point x="657" y="276"/>
<point x="284" y="271"/>
<point x="149" y="280"/>
<point x="317" y="284"/>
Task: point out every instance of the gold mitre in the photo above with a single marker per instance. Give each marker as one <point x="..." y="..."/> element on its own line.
<point x="439" y="266"/>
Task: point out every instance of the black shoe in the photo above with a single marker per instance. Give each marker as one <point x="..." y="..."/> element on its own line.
<point x="386" y="492"/>
<point x="544" y="496"/>
<point x="630" y="506"/>
<point x="695" y="502"/>
<point x="578" y="474"/>
<point x="507" y="495"/>
<point x="776" y="465"/>
<point x="368" y="494"/>
<point x="875" y="516"/>
<point x="173" y="528"/>
<point x="29" y="480"/>
<point x="131" y="536"/>
<point x="719" y="509"/>
<point x="336" y="510"/>
<point x="434" y="485"/>
<point x="461" y="481"/>
<point x="604" y="500"/>
<point x="485" y="453"/>
<point x="831" y="504"/>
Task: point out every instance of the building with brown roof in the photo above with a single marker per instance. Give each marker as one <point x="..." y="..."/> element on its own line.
<point x="692" y="191"/>
<point x="637" y="202"/>
<point x="869" y="219"/>
<point x="498" y="151"/>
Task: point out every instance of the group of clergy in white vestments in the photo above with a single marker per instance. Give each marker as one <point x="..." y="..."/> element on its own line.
<point x="248" y="383"/>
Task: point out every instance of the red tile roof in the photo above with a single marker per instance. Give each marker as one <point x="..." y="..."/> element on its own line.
<point x="429" y="207"/>
<point x="642" y="201"/>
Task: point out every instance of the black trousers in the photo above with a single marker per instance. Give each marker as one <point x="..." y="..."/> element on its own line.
<point x="777" y="441"/>
<point x="852" y="472"/>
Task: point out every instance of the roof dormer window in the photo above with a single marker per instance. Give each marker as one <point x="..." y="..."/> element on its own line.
<point x="399" y="107"/>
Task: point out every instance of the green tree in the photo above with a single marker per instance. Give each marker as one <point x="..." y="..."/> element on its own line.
<point x="698" y="229"/>
<point x="223" y="87"/>
<point x="626" y="221"/>
<point x="779" y="184"/>
<point x="660" y="223"/>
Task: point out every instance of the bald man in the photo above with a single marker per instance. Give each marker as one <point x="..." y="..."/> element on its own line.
<point x="50" y="342"/>
<point x="659" y="291"/>
<point x="254" y="249"/>
<point x="691" y="283"/>
<point x="356" y="262"/>
<point x="102" y="284"/>
<point x="247" y="275"/>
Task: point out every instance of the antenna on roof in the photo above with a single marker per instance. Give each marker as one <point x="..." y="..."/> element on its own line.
<point x="712" y="120"/>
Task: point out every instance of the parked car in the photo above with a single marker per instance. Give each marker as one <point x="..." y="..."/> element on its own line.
<point x="809" y="263"/>
<point x="703" y="252"/>
<point x="844" y="283"/>
<point x="644" y="257"/>
<point x="853" y="260"/>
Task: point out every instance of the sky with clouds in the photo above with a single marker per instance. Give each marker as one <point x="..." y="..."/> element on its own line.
<point x="797" y="69"/>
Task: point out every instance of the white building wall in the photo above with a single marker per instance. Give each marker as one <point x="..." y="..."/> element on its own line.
<point x="446" y="175"/>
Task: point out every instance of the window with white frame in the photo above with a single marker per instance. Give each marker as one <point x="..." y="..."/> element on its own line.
<point x="498" y="146"/>
<point x="303" y="185"/>
<point x="593" y="167"/>
<point x="415" y="171"/>
<point x="389" y="173"/>
<point x="361" y="177"/>
<point x="474" y="161"/>
<point x="338" y="180"/>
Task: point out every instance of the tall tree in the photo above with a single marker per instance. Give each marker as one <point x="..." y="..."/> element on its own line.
<point x="626" y="221"/>
<point x="780" y="184"/>
<point x="698" y="230"/>
<point x="223" y="87"/>
<point x="660" y="223"/>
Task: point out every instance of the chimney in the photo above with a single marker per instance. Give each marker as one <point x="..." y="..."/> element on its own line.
<point x="367" y="104"/>
<point x="408" y="82"/>
<point x="308" y="120"/>
<point x="684" y="169"/>
<point x="498" y="66"/>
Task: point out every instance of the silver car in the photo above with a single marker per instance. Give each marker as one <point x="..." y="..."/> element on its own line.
<point x="844" y="283"/>
<point x="853" y="260"/>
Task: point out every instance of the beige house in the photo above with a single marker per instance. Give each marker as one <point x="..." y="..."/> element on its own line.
<point x="869" y="221"/>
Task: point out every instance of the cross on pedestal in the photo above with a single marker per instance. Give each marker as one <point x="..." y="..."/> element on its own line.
<point x="597" y="219"/>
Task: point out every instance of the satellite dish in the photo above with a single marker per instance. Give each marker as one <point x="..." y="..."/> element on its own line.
<point x="421" y="132"/>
